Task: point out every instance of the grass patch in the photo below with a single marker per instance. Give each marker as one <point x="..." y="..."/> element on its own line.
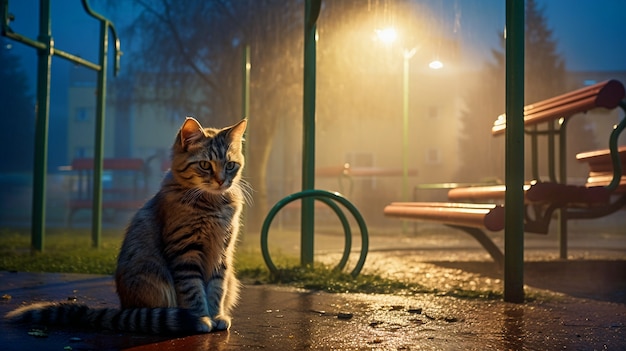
<point x="66" y="251"/>
<point x="70" y="251"/>
<point x="324" y="278"/>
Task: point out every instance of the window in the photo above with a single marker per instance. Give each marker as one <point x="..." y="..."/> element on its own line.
<point x="82" y="152"/>
<point x="83" y="114"/>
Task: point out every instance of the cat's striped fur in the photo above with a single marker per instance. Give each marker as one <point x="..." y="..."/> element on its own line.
<point x="174" y="271"/>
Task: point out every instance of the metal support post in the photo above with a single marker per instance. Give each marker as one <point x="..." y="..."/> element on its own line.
<point x="45" y="50"/>
<point x="408" y="54"/>
<point x="514" y="163"/>
<point x="40" y="167"/>
<point x="245" y="111"/>
<point x="307" y="221"/>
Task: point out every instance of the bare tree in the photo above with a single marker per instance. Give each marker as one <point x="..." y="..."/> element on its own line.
<point x="188" y="58"/>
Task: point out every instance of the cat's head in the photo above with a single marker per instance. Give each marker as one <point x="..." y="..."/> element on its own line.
<point x="208" y="159"/>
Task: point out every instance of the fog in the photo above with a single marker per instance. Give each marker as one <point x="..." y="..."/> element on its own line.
<point x="190" y="64"/>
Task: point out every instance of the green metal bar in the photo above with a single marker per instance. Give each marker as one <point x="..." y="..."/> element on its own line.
<point x="562" y="222"/>
<point x="514" y="163"/>
<point x="551" y="151"/>
<point x="534" y="149"/>
<point x="320" y="194"/>
<point x="7" y="32"/>
<point x="405" y="128"/>
<point x="45" y="47"/>
<point x="407" y="55"/>
<point x="615" y="158"/>
<point x="245" y="111"/>
<point x="98" y="159"/>
<point x="312" y="9"/>
<point x="40" y="167"/>
<point x="245" y="91"/>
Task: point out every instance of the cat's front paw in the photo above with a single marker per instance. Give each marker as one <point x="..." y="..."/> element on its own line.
<point x="222" y="323"/>
<point x="206" y="325"/>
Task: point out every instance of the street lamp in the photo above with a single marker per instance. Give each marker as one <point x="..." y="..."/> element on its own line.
<point x="408" y="54"/>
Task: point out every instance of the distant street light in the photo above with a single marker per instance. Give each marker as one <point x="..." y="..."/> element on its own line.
<point x="436" y="64"/>
<point x="387" y="35"/>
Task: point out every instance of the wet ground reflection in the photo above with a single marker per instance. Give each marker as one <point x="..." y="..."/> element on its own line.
<point x="513" y="328"/>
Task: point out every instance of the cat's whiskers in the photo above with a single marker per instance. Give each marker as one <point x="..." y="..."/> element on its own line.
<point x="246" y="191"/>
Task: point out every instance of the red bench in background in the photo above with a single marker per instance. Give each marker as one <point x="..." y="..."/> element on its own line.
<point x="604" y="193"/>
<point x="125" y="185"/>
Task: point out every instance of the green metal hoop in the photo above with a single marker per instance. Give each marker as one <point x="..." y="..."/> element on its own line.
<point x="329" y="199"/>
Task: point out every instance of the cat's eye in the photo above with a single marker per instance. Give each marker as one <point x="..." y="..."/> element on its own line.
<point x="231" y="166"/>
<point x="205" y="165"/>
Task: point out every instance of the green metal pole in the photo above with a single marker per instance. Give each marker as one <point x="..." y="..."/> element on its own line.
<point x="245" y="97"/>
<point x="408" y="54"/>
<point x="45" y="49"/>
<point x="562" y="223"/>
<point x="405" y="130"/>
<point x="40" y="169"/>
<point x="98" y="160"/>
<point x="514" y="163"/>
<point x="245" y="111"/>
<point x="307" y="221"/>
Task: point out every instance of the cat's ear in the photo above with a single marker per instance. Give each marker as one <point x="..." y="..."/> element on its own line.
<point x="190" y="131"/>
<point x="237" y="131"/>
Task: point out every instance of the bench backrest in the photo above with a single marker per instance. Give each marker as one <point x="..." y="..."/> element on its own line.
<point x="128" y="181"/>
<point x="607" y="94"/>
<point x="130" y="164"/>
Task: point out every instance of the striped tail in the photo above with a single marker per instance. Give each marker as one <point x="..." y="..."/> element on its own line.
<point x="140" y="320"/>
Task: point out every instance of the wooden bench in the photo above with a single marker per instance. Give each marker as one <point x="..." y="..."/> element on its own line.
<point x="603" y="194"/>
<point x="126" y="190"/>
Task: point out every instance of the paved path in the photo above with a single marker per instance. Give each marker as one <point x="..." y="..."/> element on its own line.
<point x="275" y="318"/>
<point x="578" y="304"/>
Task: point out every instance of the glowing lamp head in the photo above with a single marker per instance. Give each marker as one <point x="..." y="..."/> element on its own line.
<point x="387" y="35"/>
<point x="436" y="64"/>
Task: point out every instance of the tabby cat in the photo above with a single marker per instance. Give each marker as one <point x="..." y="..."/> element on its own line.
<point x="174" y="271"/>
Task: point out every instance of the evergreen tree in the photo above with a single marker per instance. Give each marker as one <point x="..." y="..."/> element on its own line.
<point x="17" y="123"/>
<point x="545" y="73"/>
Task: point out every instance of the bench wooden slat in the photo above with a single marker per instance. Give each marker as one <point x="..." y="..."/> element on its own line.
<point x="600" y="160"/>
<point x="113" y="204"/>
<point x="606" y="94"/>
<point x="444" y="204"/>
<point x="484" y="216"/>
<point x="127" y="192"/>
<point x="601" y="167"/>
<point x="539" y="192"/>
<point x="131" y="164"/>
<point x="479" y="193"/>
<point x="602" y="179"/>
<point x="542" y="199"/>
<point x="347" y="170"/>
<point x="566" y="194"/>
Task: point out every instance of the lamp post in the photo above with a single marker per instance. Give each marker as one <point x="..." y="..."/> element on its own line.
<point x="389" y="35"/>
<point x="408" y="54"/>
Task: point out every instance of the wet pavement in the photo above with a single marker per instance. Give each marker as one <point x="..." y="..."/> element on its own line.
<point x="579" y="304"/>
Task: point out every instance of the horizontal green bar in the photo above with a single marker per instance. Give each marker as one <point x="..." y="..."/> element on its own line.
<point x="41" y="46"/>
